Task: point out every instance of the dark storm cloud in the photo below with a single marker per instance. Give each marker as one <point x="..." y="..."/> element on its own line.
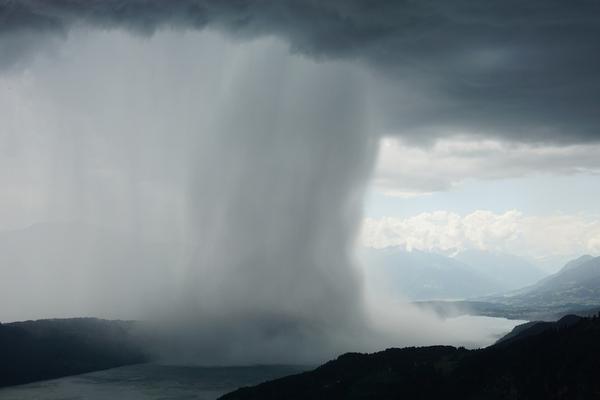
<point x="522" y="70"/>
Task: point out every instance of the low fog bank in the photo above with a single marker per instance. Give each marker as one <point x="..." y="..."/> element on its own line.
<point x="397" y="322"/>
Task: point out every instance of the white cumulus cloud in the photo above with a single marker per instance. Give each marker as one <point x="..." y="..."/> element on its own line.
<point x="512" y="231"/>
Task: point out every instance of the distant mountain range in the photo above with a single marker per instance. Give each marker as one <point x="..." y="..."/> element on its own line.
<point x="420" y="275"/>
<point x="509" y="271"/>
<point x="548" y="361"/>
<point x="573" y="289"/>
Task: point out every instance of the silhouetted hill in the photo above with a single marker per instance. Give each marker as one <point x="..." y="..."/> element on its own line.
<point x="561" y="361"/>
<point x="536" y="327"/>
<point x="46" y="349"/>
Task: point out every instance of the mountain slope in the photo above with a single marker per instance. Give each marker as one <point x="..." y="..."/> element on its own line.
<point x="576" y="262"/>
<point x="577" y="284"/>
<point x="575" y="289"/>
<point x="533" y="328"/>
<point x="560" y="362"/>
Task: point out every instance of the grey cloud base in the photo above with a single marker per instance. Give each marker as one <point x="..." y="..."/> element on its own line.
<point x="525" y="71"/>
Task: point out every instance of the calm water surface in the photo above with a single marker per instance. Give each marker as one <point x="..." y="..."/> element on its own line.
<point x="149" y="381"/>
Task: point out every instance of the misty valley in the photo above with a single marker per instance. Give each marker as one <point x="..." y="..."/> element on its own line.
<point x="299" y="199"/>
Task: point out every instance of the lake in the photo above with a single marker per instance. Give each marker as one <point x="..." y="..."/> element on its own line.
<point x="149" y="381"/>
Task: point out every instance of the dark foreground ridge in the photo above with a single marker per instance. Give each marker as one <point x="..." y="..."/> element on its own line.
<point x="46" y="349"/>
<point x="558" y="360"/>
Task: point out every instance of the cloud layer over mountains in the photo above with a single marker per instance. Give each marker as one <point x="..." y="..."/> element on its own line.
<point x="535" y="237"/>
